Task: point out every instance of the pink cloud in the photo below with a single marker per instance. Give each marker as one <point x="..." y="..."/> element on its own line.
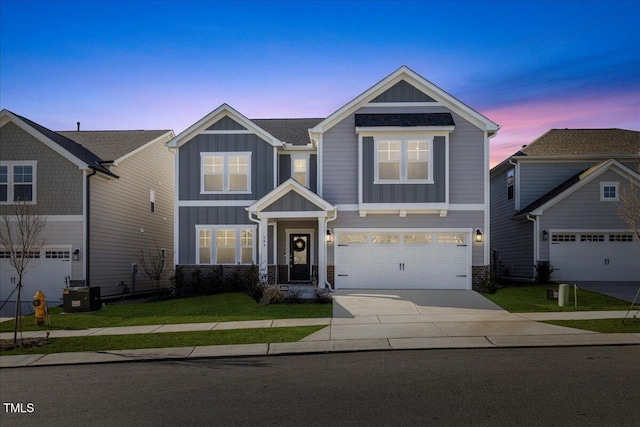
<point x="521" y="124"/>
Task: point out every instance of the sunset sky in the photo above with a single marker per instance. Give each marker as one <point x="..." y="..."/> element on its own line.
<point x="528" y="65"/>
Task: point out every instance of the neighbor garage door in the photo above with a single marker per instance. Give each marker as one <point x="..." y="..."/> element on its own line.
<point x="387" y="259"/>
<point x="594" y="256"/>
<point x="46" y="272"/>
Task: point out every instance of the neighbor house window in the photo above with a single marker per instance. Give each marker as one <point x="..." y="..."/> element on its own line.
<point x="511" y="179"/>
<point x="226" y="244"/>
<point x="152" y="200"/>
<point x="17" y="181"/>
<point x="300" y="169"/>
<point x="403" y="160"/>
<point x="609" y="191"/>
<point x="226" y="172"/>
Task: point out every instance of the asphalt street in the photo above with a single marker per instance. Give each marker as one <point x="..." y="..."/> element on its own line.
<point x="586" y="386"/>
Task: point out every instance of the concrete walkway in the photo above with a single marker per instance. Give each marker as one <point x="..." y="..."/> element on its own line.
<point x="462" y="328"/>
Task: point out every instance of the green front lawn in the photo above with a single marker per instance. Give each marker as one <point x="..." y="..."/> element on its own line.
<point x="601" y="325"/>
<point x="533" y="298"/>
<point x="169" y="339"/>
<point x="213" y="308"/>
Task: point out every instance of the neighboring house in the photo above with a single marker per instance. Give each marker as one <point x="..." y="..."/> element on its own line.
<point x="556" y="201"/>
<point x="390" y="191"/>
<point x="106" y="195"/>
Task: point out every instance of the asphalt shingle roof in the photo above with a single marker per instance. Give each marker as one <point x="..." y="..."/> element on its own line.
<point x="404" y="120"/>
<point x="563" y="142"/>
<point x="72" y="147"/>
<point x="113" y="144"/>
<point x="291" y="131"/>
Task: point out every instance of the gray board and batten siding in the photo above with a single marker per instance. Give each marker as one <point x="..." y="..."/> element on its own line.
<point x="226" y="123"/>
<point x="402" y="92"/>
<point x="262" y="172"/>
<point x="466" y="158"/>
<point x="284" y="170"/>
<point x="292" y="202"/>
<point x="189" y="217"/>
<point x="403" y="193"/>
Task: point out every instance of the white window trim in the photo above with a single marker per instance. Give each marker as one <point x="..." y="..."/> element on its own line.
<point x="10" y="183"/>
<point x="404" y="161"/>
<point x="610" y="184"/>
<point x="225" y="173"/>
<point x="213" y="247"/>
<point x="304" y="157"/>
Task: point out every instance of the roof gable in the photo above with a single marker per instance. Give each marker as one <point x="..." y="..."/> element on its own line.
<point x="72" y="151"/>
<point x="220" y="113"/>
<point x="279" y="198"/>
<point x="419" y="83"/>
<point x="402" y="92"/>
<point x="575" y="183"/>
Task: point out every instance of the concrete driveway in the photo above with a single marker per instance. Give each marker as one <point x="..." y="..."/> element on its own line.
<point x="405" y="302"/>
<point x="626" y="291"/>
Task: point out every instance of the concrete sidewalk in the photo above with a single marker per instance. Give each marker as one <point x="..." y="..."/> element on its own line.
<point x="466" y="329"/>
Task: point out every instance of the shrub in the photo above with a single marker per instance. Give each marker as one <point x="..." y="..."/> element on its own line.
<point x="489" y="283"/>
<point x="270" y="295"/>
<point x="543" y="272"/>
<point x="322" y="296"/>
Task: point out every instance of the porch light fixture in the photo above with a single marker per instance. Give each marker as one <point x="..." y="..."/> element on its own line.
<point x="329" y="236"/>
<point x="76" y="254"/>
<point x="545" y="235"/>
<point x="478" y="236"/>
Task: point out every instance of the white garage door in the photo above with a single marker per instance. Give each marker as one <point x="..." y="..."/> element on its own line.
<point x="594" y="256"/>
<point x="46" y="272"/>
<point x="386" y="259"/>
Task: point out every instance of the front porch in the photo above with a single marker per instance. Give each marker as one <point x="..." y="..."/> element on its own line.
<point x="292" y="246"/>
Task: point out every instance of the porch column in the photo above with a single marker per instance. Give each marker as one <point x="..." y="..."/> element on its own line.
<point x="263" y="249"/>
<point x="322" y="251"/>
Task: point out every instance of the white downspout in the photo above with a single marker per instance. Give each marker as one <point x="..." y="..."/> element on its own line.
<point x="536" y="248"/>
<point x="329" y="219"/>
<point x="257" y="221"/>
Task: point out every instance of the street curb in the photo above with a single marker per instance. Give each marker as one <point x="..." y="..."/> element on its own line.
<point x="316" y="347"/>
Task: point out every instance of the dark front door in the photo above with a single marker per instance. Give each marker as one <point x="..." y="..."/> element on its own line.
<point x="299" y="250"/>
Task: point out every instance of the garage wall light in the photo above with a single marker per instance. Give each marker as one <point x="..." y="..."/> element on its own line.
<point x="478" y="236"/>
<point x="329" y="236"/>
<point x="545" y="235"/>
<point x="76" y="254"/>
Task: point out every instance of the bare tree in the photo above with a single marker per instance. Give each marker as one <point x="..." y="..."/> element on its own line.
<point x="154" y="265"/>
<point x="629" y="205"/>
<point x="21" y="237"/>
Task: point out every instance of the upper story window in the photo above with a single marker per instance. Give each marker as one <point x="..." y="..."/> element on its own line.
<point x="17" y="181"/>
<point x="403" y="160"/>
<point x="226" y="172"/>
<point x="511" y="180"/>
<point x="609" y="191"/>
<point x="300" y="168"/>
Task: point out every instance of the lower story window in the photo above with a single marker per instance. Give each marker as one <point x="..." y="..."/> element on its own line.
<point x="224" y="244"/>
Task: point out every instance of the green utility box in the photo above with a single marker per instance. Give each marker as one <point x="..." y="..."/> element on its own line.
<point x="75" y="300"/>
